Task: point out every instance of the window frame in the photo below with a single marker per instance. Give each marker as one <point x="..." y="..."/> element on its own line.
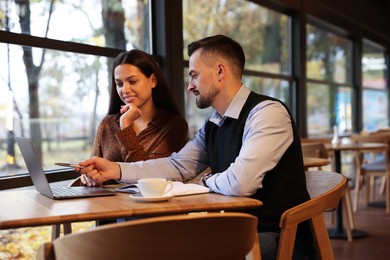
<point x="340" y="32"/>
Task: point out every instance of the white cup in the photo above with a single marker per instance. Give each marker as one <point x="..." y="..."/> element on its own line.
<point x="154" y="187"/>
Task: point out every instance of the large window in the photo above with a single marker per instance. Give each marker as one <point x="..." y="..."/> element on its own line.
<point x="111" y="23"/>
<point x="264" y="35"/>
<point x="329" y="88"/>
<point x="57" y="95"/>
<point x="375" y="91"/>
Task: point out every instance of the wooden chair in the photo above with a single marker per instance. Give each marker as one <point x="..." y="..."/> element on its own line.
<point x="314" y="149"/>
<point x="317" y="149"/>
<point x="196" y="236"/>
<point x="384" y="132"/>
<point x="368" y="169"/>
<point x="325" y="189"/>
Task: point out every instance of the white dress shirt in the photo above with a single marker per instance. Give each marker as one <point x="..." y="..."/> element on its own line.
<point x="267" y="135"/>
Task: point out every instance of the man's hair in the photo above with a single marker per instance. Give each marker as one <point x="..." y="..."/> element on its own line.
<point x="222" y="46"/>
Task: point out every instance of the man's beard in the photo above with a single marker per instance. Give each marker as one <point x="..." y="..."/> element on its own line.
<point x="206" y="101"/>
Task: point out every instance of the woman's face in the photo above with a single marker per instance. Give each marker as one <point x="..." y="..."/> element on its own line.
<point x="133" y="86"/>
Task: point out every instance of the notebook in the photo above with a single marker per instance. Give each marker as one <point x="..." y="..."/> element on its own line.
<point x="41" y="183"/>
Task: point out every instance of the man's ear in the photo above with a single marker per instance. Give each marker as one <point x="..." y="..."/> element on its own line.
<point x="220" y="71"/>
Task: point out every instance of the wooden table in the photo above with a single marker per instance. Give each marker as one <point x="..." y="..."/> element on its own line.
<point x="315" y="162"/>
<point x="28" y="208"/>
<point x="339" y="231"/>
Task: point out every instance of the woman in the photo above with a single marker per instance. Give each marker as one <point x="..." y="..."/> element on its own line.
<point x="143" y="120"/>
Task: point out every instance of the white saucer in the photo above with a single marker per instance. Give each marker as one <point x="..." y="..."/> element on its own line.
<point x="139" y="197"/>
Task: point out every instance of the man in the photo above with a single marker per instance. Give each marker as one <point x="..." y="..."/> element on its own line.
<point x="250" y="143"/>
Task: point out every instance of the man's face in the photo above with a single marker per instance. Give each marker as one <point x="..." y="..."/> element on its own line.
<point x="202" y="78"/>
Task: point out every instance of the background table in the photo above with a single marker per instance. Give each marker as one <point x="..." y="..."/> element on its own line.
<point x="339" y="231"/>
<point x="28" y="208"/>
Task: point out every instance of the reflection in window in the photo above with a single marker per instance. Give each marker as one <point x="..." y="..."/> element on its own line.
<point x="276" y="88"/>
<point x="329" y="90"/>
<point x="263" y="33"/>
<point x="122" y="24"/>
<point x="326" y="105"/>
<point x="328" y="56"/>
<point x="375" y="110"/>
<point x="375" y="92"/>
<point x="59" y="97"/>
<point x="60" y="108"/>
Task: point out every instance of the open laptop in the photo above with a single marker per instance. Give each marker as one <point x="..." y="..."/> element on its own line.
<point x="41" y="183"/>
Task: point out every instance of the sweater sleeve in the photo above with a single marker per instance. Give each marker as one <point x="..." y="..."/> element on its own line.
<point x="170" y="138"/>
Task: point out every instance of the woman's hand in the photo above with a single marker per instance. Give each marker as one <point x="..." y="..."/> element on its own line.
<point x="129" y="114"/>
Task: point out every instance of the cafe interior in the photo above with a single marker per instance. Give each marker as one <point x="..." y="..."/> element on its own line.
<point x="326" y="60"/>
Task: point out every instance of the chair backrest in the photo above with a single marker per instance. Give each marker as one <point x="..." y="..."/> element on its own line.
<point x="371" y="138"/>
<point x="314" y="149"/>
<point x="195" y="236"/>
<point x="325" y="189"/>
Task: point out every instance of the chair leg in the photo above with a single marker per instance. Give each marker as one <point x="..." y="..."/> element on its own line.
<point x="321" y="237"/>
<point x="67" y="228"/>
<point x="56" y="230"/>
<point x="383" y="185"/>
<point x="370" y="194"/>
<point x="387" y="200"/>
<point x="351" y="216"/>
<point x="358" y="185"/>
<point x="255" y="253"/>
<point x="348" y="214"/>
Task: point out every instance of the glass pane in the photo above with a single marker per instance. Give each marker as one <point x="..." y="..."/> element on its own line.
<point x="327" y="107"/>
<point x="328" y="56"/>
<point x="55" y="104"/>
<point x="276" y="88"/>
<point x="373" y="68"/>
<point x="375" y="112"/>
<point x="126" y="26"/>
<point x="264" y="34"/>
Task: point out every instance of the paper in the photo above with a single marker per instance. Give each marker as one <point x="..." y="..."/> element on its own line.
<point x="182" y="189"/>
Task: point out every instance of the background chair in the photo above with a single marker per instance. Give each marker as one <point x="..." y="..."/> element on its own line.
<point x="325" y="189"/>
<point x="370" y="165"/>
<point x="318" y="149"/>
<point x="314" y="149"/>
<point x="196" y="236"/>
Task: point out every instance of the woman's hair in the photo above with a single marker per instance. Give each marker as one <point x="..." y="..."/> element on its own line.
<point x="161" y="94"/>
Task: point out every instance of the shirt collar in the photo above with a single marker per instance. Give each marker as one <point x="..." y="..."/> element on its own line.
<point x="234" y="108"/>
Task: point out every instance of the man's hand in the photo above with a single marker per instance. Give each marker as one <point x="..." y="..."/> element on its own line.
<point x="97" y="170"/>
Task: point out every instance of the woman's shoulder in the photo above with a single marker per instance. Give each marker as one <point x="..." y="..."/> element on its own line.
<point x="166" y="117"/>
<point x="110" y="119"/>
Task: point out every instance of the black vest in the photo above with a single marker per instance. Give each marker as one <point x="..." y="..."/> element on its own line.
<point x="283" y="187"/>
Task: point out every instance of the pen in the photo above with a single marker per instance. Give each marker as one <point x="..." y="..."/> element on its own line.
<point x="74" y="165"/>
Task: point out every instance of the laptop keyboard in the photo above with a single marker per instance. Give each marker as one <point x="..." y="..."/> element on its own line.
<point x="66" y="191"/>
